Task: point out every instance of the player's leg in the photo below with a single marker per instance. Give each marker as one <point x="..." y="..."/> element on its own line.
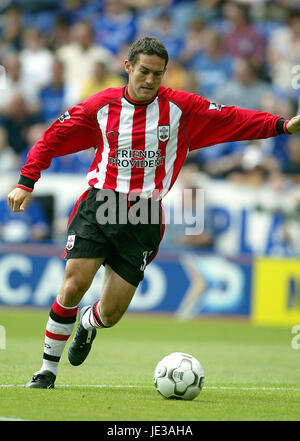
<point x="129" y="248"/>
<point x="115" y="297"/>
<point x="79" y="274"/>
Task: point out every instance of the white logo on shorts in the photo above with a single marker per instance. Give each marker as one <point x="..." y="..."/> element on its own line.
<point x="146" y="255"/>
<point x="70" y="242"/>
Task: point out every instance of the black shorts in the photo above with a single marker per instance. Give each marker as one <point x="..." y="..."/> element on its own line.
<point x="110" y="229"/>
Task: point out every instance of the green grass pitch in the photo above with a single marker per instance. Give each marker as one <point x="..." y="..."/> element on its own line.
<point x="251" y="373"/>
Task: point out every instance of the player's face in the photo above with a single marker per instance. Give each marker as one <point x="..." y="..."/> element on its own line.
<point x="145" y="76"/>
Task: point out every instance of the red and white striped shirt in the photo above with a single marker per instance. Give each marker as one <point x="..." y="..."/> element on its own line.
<point x="141" y="146"/>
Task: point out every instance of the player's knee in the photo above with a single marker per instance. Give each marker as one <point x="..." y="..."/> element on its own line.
<point x="73" y="288"/>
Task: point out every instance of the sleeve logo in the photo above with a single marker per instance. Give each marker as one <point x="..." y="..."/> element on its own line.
<point x="64" y="116"/>
<point x="215" y="106"/>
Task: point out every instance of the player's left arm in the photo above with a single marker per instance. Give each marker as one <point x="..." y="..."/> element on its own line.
<point x="209" y="123"/>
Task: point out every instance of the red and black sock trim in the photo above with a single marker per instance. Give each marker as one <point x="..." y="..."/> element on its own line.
<point x="51" y="357"/>
<point x="62" y="315"/>
<point x="60" y="337"/>
<point x="97" y="317"/>
<point x="58" y="330"/>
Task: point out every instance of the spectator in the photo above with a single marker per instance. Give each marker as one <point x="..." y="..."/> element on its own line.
<point x="209" y="10"/>
<point x="8" y="158"/>
<point x="116" y="26"/>
<point x="283" y="53"/>
<point x="213" y="66"/>
<point x="35" y="59"/>
<point x="59" y="35"/>
<point x="291" y="167"/>
<point x="244" y="89"/>
<point x="193" y="42"/>
<point x="241" y="38"/>
<point x="36" y="6"/>
<point x="164" y="31"/>
<point x="101" y="79"/>
<point x="277" y="104"/>
<point x="78" y="10"/>
<point x="79" y="58"/>
<point x="32" y="226"/>
<point x="219" y="161"/>
<point x="177" y="77"/>
<point x="183" y="13"/>
<point x="16" y="82"/>
<point x="53" y="97"/>
<point x="256" y="153"/>
<point x="148" y="11"/>
<point x="257" y="165"/>
<point x="11" y="30"/>
<point x="17" y="121"/>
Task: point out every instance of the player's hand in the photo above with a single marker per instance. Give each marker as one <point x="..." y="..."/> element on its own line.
<point x="18" y="199"/>
<point x="293" y="126"/>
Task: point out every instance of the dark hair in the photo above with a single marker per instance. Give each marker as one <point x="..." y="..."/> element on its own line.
<point x="147" y="46"/>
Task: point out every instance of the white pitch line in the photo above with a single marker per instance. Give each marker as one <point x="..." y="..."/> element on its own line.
<point x="137" y="386"/>
<point x="252" y="388"/>
<point x="86" y="385"/>
<point x="3" y="418"/>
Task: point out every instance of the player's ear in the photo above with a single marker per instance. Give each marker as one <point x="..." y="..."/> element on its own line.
<point x="127" y="66"/>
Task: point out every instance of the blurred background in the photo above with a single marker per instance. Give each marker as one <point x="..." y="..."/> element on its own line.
<point x="246" y="262"/>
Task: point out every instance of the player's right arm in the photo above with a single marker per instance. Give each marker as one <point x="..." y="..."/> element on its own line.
<point x="72" y="132"/>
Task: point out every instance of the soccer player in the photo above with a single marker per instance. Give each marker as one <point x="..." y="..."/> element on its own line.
<point x="141" y="133"/>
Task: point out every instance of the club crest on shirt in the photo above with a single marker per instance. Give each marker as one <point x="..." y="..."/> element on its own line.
<point x="64" y="116"/>
<point x="163" y="133"/>
<point x="70" y="242"/>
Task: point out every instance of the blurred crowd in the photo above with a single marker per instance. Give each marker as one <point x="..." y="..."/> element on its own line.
<point x="55" y="53"/>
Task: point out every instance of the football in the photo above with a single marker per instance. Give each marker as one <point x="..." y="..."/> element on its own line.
<point x="179" y="375"/>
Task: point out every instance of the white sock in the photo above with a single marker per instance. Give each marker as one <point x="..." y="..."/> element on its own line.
<point x="59" y="327"/>
<point x="92" y="318"/>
